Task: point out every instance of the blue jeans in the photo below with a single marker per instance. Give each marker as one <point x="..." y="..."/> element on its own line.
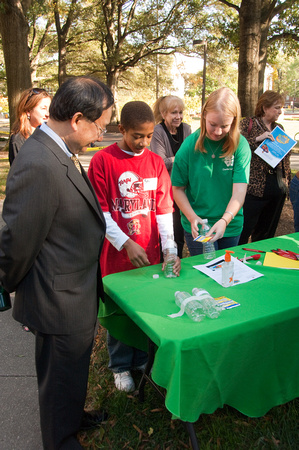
<point x="294" y="197"/>
<point x="122" y="357"/>
<point x="196" y="248"/>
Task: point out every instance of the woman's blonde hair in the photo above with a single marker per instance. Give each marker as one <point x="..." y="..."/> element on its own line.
<point x="28" y="100"/>
<point x="165" y="104"/>
<point x="225" y="101"/>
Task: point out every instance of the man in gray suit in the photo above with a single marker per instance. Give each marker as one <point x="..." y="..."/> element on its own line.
<point x="49" y="254"/>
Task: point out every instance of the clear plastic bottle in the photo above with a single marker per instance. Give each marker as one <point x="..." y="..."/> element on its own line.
<point x="193" y="308"/>
<point x="208" y="247"/>
<point x="228" y="270"/>
<point x="170" y="254"/>
<point x="208" y="303"/>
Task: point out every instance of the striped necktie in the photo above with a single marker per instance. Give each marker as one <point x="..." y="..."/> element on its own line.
<point x="76" y="162"/>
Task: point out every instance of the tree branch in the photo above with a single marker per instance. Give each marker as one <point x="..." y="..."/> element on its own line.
<point x="281" y="7"/>
<point x="285" y="35"/>
<point x="231" y="5"/>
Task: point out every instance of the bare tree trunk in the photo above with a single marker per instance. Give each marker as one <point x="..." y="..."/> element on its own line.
<point x="250" y="36"/>
<point x="62" y="51"/>
<point x="263" y="61"/>
<point x="112" y="82"/>
<point x="14" y="32"/>
<point x="266" y="17"/>
<point x="62" y="34"/>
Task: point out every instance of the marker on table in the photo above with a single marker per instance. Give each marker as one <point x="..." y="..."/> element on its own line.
<point x="252" y="250"/>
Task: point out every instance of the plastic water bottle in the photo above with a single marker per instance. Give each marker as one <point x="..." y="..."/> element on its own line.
<point x="208" y="303"/>
<point x="170" y="255"/>
<point x="193" y="308"/>
<point x="208" y="247"/>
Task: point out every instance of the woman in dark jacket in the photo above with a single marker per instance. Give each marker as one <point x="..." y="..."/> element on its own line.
<point x="267" y="187"/>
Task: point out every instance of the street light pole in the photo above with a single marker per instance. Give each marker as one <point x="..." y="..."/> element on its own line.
<point x="294" y="96"/>
<point x="205" y="46"/>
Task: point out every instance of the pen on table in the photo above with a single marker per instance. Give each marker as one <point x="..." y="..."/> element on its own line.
<point x="253" y="250"/>
<point x="214" y="265"/>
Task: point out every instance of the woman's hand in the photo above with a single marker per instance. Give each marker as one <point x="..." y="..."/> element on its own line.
<point x="217" y="230"/>
<point x="176" y="266"/>
<point x="136" y="254"/>
<point x="266" y="135"/>
<point x="182" y="201"/>
<point x="196" y="224"/>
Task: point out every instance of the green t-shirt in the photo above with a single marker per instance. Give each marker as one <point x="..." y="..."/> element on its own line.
<point x="209" y="181"/>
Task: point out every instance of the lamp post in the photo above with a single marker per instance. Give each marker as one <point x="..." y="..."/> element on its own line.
<point x="204" y="44"/>
<point x="294" y="96"/>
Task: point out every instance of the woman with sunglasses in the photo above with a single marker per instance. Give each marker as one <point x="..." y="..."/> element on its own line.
<point x="32" y="111"/>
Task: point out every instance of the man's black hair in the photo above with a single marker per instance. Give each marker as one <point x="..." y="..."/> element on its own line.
<point x="87" y="95"/>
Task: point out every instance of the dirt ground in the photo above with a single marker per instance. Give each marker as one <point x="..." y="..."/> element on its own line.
<point x="286" y="222"/>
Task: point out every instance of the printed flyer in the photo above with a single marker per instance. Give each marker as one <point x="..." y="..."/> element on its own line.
<point x="274" y="151"/>
<point x="242" y="273"/>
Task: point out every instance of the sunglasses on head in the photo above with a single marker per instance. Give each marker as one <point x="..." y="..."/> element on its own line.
<point x="35" y="91"/>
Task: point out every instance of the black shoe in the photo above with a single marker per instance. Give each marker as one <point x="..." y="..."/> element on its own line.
<point x="92" y="419"/>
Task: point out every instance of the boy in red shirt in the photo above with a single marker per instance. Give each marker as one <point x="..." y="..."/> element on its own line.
<point x="134" y="190"/>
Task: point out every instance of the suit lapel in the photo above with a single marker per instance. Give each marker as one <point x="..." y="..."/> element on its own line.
<point x="81" y="182"/>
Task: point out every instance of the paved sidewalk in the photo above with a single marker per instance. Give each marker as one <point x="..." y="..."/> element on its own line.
<point x="19" y="412"/>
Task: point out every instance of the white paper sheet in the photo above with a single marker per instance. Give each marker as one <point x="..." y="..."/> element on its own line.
<point x="242" y="273"/>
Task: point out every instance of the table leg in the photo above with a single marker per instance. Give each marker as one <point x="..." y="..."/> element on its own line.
<point x="146" y="377"/>
<point x="190" y="429"/>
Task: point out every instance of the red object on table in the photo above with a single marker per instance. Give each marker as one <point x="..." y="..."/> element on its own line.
<point x="248" y="258"/>
<point x="286" y="254"/>
<point x="253" y="250"/>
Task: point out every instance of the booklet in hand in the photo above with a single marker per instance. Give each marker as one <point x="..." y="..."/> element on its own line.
<point x="274" y="151"/>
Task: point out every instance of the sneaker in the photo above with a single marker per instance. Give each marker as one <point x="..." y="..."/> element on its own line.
<point x="124" y="381"/>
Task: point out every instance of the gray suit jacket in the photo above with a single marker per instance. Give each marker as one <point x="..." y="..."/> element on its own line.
<point x="50" y="245"/>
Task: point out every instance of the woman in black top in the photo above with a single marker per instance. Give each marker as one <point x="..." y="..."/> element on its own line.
<point x="32" y="111"/>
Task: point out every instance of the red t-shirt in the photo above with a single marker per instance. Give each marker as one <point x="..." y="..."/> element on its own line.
<point x="134" y="189"/>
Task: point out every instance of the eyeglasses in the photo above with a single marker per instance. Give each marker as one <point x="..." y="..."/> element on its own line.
<point x="100" y="130"/>
<point x="35" y="91"/>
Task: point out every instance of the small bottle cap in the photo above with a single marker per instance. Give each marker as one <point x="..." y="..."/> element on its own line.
<point x="227" y="257"/>
<point x="156" y="275"/>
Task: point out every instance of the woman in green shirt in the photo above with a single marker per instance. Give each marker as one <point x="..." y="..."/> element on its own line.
<point x="210" y="173"/>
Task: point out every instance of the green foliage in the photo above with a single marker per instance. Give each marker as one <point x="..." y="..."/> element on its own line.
<point x="4" y="169"/>
<point x="285" y="74"/>
<point x="131" y="32"/>
<point x="140" y="82"/>
<point x="222" y="70"/>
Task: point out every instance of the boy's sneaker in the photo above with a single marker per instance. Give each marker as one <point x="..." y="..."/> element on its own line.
<point x="124" y="381"/>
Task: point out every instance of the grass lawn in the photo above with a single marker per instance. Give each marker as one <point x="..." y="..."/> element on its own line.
<point x="4" y="168"/>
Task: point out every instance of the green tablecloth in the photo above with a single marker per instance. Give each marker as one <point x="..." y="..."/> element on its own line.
<point x="248" y="358"/>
